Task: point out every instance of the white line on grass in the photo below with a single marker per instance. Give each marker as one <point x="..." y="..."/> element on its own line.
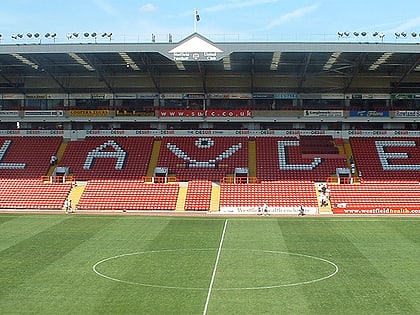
<point x="215" y="268"/>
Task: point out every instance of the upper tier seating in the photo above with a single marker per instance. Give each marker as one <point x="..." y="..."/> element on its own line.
<point x="26" y="157"/>
<point x="385" y="158"/>
<point x="198" y="195"/>
<point x="32" y="194"/>
<point x="282" y="158"/>
<point x="128" y="195"/>
<point x="274" y="194"/>
<point x="107" y="158"/>
<point x="203" y="158"/>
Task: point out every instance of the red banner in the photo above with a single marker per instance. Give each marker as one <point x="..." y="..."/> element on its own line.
<point x="237" y="113"/>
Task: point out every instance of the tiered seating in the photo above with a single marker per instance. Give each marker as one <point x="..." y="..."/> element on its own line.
<point x="319" y="144"/>
<point x="203" y="158"/>
<point x="281" y="158"/>
<point x="383" y="196"/>
<point x="26" y="157"/>
<point x="198" y="195"/>
<point x="128" y="195"/>
<point x="32" y="194"/>
<point x="107" y="158"/>
<point x="380" y="158"/>
<point x="274" y="194"/>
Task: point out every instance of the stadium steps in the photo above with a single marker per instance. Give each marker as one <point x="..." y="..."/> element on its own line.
<point x="215" y="198"/>
<point x="76" y="193"/>
<point x="154" y="156"/>
<point x="322" y="209"/>
<point x="59" y="155"/>
<point x="252" y="158"/>
<point x="182" y="195"/>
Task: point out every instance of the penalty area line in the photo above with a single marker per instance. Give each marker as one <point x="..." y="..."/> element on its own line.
<point x="215" y="268"/>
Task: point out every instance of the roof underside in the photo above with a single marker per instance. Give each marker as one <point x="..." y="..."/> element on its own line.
<point x="274" y="68"/>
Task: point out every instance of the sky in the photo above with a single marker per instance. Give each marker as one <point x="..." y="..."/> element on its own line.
<point x="220" y="20"/>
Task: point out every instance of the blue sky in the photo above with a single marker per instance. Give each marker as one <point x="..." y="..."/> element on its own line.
<point x="220" y="20"/>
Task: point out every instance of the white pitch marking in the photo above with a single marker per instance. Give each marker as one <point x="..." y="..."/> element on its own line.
<point x="215" y="268"/>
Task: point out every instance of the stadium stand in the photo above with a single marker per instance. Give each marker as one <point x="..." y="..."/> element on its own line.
<point x="203" y="158"/>
<point x="33" y="194"/>
<point x="126" y="195"/>
<point x="198" y="195"/>
<point x="384" y="158"/>
<point x="26" y="157"/>
<point x="108" y="158"/>
<point x="282" y="158"/>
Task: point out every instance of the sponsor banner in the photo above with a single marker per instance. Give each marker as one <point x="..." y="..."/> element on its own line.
<point x="205" y="113"/>
<point x="369" y="113"/>
<point x="37" y="132"/>
<point x="280" y="96"/>
<point x="43" y="113"/>
<point x="9" y="113"/>
<point x="13" y="96"/>
<point x="135" y="113"/>
<point x="270" y="210"/>
<point x="404" y="96"/>
<point x="323" y="113"/>
<point x="89" y="113"/>
<point x="105" y="132"/>
<point x="385" y="211"/>
<point x="406" y="113"/>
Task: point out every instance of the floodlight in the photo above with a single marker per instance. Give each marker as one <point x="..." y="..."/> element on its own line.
<point x="20" y="35"/>
<point x="382" y="35"/>
<point x="374" y="34"/>
<point x="413" y="34"/>
<point x="29" y="35"/>
<point x="36" y="35"/>
<point x="346" y="33"/>
<point x="356" y="33"/>
<point x="69" y="35"/>
<point x="53" y="35"/>
<point x="363" y="33"/>
<point x="340" y="34"/>
<point x="403" y="34"/>
<point x="76" y="34"/>
<point x="86" y="34"/>
<point x="94" y="34"/>
<point x="47" y="35"/>
<point x="397" y="35"/>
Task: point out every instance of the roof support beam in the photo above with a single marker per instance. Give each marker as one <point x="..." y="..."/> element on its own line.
<point x="202" y="70"/>
<point x="151" y="70"/>
<point x="304" y="70"/>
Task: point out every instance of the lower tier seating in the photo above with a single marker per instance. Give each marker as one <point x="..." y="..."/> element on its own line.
<point x="128" y="195"/>
<point x="32" y="194"/>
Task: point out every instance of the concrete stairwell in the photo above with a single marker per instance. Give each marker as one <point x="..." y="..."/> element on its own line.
<point x="252" y="158"/>
<point x="182" y="195"/>
<point x="215" y="198"/>
<point x="154" y="156"/>
<point x="76" y="193"/>
<point x="59" y="155"/>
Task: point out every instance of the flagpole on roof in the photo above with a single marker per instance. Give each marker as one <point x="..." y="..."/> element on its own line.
<point x="196" y="19"/>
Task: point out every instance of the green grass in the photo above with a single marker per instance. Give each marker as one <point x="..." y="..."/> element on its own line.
<point x="80" y="264"/>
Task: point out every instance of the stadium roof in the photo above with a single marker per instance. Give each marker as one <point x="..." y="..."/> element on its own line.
<point x="197" y="65"/>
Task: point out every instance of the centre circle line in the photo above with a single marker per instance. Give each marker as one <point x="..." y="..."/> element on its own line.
<point x="336" y="269"/>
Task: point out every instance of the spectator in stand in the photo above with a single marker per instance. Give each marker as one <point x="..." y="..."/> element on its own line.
<point x="53" y="160"/>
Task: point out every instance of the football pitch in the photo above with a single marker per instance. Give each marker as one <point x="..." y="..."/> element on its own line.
<point x="117" y="264"/>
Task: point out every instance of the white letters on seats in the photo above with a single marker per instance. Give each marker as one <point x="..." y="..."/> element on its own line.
<point x="99" y="153"/>
<point x="283" y="159"/>
<point x="385" y="157"/>
<point x="9" y="166"/>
